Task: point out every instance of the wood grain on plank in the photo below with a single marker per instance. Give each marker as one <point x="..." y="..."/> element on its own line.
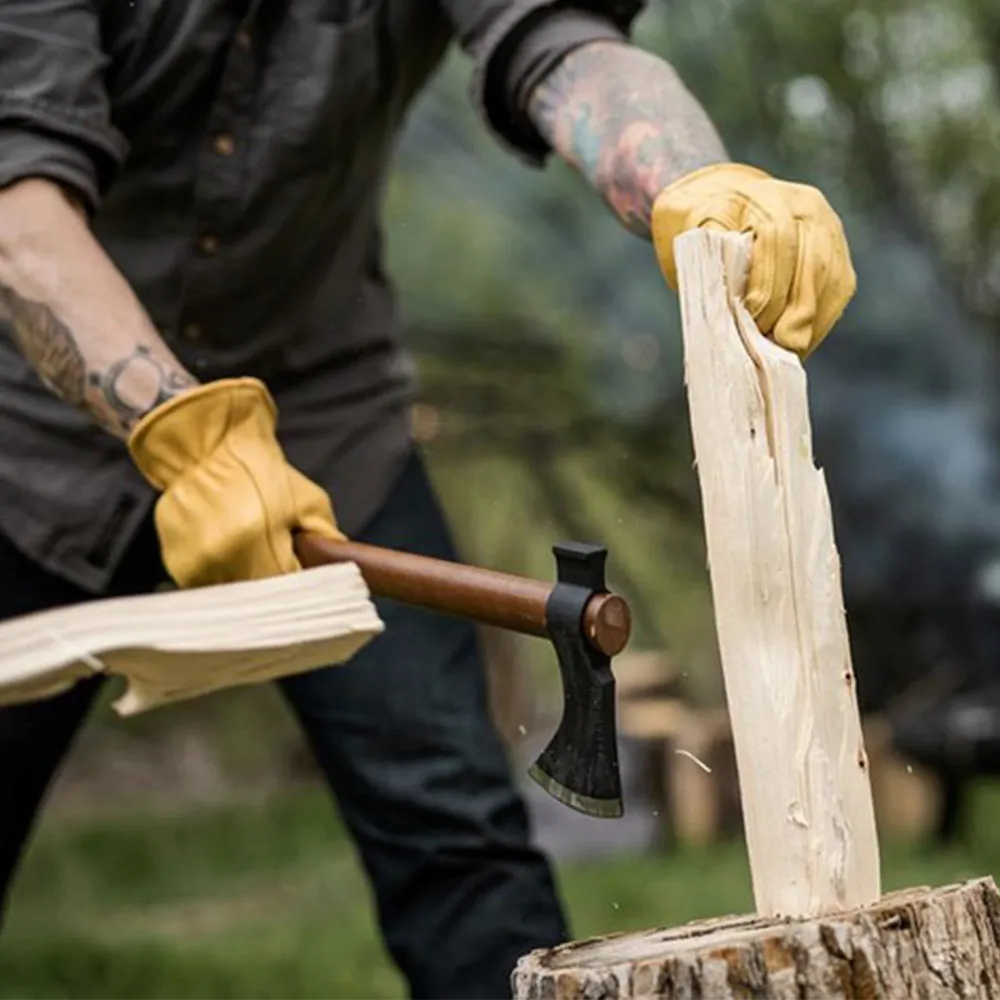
<point x="776" y="587"/>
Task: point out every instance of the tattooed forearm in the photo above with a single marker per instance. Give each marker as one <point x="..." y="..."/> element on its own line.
<point x="625" y="120"/>
<point x="73" y="316"/>
<point x="118" y="393"/>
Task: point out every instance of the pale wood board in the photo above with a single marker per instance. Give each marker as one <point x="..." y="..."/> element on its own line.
<point x="908" y="798"/>
<point x="653" y="718"/>
<point x="638" y="672"/>
<point x="181" y="644"/>
<point x="776" y="588"/>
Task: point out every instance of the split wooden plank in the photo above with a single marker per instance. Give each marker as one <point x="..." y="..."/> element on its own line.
<point x="776" y="588"/>
<point x="180" y="644"/>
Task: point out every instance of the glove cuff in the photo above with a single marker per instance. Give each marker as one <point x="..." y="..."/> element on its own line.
<point x="725" y="173"/>
<point x="182" y="432"/>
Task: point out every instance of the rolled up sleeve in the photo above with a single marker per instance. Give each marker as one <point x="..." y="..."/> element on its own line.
<point x="515" y="42"/>
<point x="55" y="115"/>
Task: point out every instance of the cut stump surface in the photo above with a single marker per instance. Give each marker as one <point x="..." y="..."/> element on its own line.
<point x="918" y="943"/>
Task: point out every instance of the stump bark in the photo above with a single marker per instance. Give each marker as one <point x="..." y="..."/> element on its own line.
<point x="918" y="943"/>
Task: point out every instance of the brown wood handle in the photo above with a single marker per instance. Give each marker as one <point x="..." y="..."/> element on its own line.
<point x="483" y="595"/>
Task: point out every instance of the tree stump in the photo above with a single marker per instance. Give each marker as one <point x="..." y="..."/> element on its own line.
<point x="918" y="943"/>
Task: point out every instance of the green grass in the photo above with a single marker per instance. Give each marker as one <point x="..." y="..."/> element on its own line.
<point x="267" y="900"/>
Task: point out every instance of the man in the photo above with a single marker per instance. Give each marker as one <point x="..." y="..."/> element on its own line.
<point x="189" y="245"/>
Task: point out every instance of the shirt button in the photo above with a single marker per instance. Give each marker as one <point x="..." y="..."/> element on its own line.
<point x="191" y="332"/>
<point x="208" y="244"/>
<point x="224" y="144"/>
<point x="243" y="39"/>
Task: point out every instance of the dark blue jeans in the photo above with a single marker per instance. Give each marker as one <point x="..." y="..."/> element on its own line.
<point x="403" y="736"/>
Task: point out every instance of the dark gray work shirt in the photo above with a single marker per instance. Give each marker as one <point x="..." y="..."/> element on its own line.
<point x="233" y="154"/>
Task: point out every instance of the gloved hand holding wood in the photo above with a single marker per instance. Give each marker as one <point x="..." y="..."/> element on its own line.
<point x="230" y="501"/>
<point x="801" y="277"/>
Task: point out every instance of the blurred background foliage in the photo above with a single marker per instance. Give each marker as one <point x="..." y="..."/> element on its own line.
<point x="553" y="405"/>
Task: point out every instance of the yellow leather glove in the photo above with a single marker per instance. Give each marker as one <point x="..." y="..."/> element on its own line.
<point x="230" y="501"/>
<point x="801" y="277"/>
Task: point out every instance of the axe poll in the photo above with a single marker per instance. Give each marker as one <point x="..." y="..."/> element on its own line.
<point x="586" y="624"/>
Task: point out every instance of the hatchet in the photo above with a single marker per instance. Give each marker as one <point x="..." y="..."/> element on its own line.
<point x="586" y="624"/>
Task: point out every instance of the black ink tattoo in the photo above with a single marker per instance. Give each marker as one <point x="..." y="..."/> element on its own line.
<point x="625" y="120"/>
<point x="46" y="344"/>
<point x="118" y="395"/>
<point x="136" y="384"/>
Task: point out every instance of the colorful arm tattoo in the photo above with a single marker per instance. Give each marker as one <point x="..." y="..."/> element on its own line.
<point x="624" y="119"/>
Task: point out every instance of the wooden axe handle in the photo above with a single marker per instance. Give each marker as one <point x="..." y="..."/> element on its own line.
<point x="483" y="595"/>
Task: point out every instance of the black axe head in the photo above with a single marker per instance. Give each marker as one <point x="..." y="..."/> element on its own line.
<point x="579" y="767"/>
